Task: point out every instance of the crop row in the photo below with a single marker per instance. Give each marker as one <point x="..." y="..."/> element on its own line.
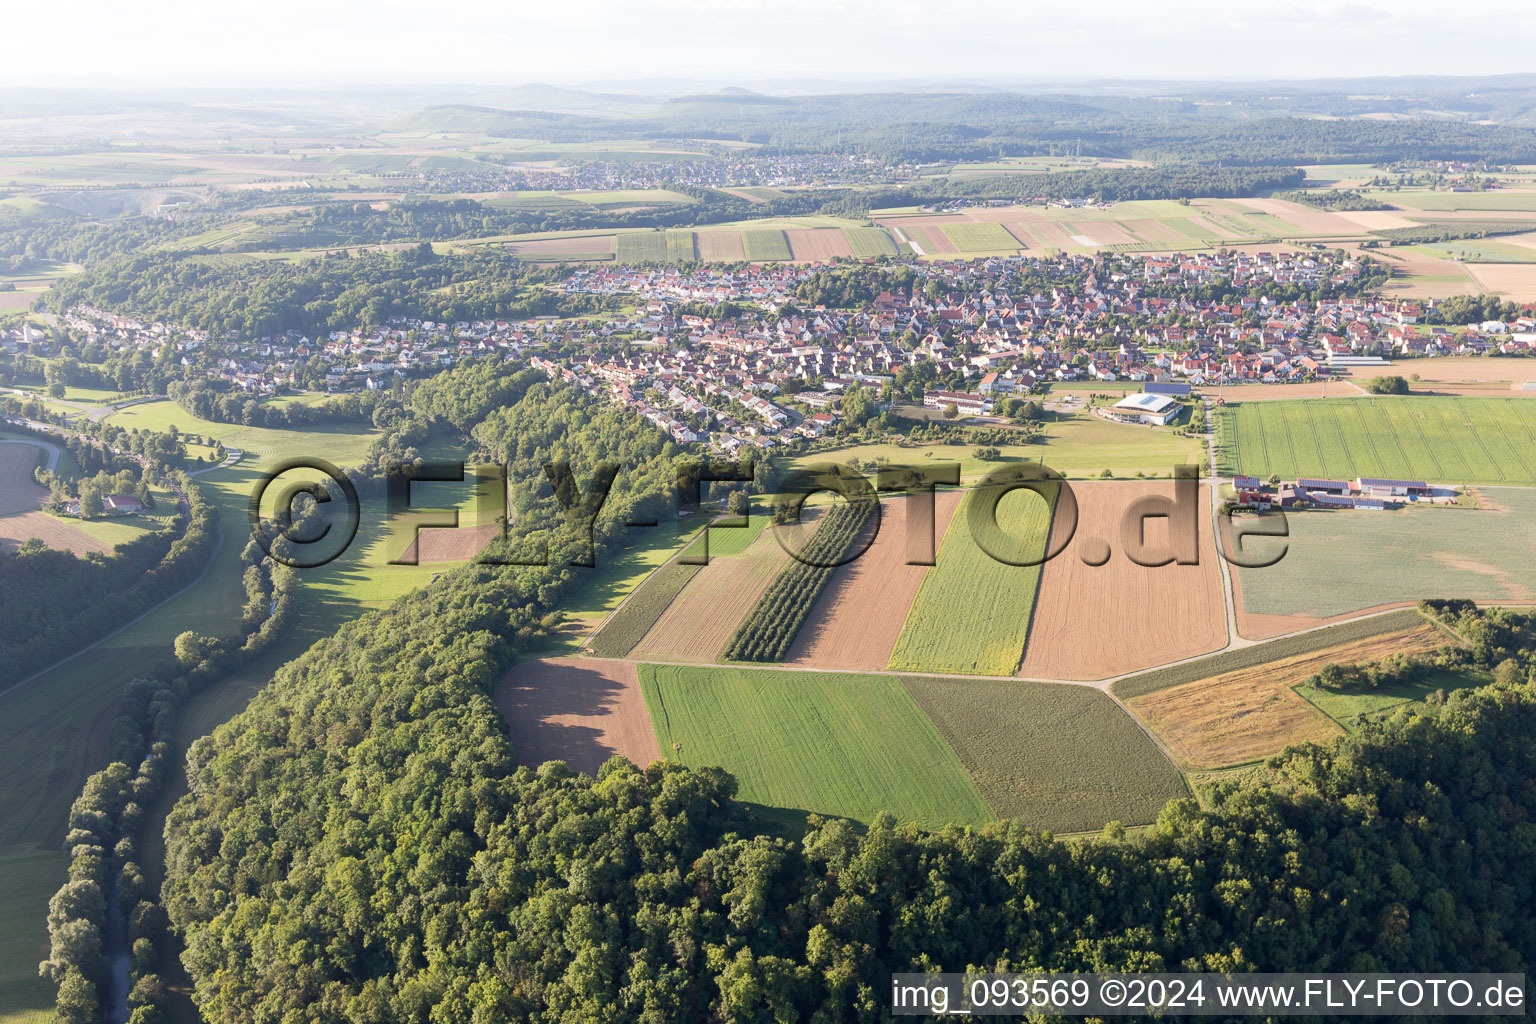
<point x="770" y="628"/>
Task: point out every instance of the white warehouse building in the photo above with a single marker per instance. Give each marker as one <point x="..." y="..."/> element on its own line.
<point x="1144" y="408"/>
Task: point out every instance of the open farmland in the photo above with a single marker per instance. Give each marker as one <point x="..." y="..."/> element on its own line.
<point x="581" y="712"/>
<point x="856" y="620"/>
<point x="768" y="631"/>
<point x="1371" y="559"/>
<point x="721" y="245"/>
<point x="817" y="243"/>
<point x="19" y="490"/>
<point x="973" y="237"/>
<point x="1057" y="757"/>
<point x="654" y="246"/>
<point x="972" y="612"/>
<point x="825" y="743"/>
<point x="1513" y="281"/>
<point x="1439" y="439"/>
<point x="633" y="619"/>
<point x="1095" y="621"/>
<point x="1254" y="713"/>
<point x="765" y="244"/>
<point x="701" y="620"/>
<point x="867" y="242"/>
<point x="589" y="247"/>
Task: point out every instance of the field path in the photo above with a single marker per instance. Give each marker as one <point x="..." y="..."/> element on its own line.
<point x="53" y="450"/>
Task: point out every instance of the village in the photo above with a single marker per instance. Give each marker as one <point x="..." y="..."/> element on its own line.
<point x="965" y="336"/>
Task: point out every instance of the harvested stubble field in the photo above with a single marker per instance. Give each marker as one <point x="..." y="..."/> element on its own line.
<point x="701" y="620"/>
<point x="1439" y="439"/>
<point x="580" y="711"/>
<point x="826" y="743"/>
<point x="1458" y="370"/>
<point x="721" y="245"/>
<point x="972" y="612"/>
<point x="589" y="247"/>
<point x="856" y="620"/>
<point x="1092" y="622"/>
<point x="1264" y="653"/>
<point x="1254" y="713"/>
<point x="1339" y="562"/>
<point x="17" y="529"/>
<point x="765" y="244"/>
<point x="818" y="243"/>
<point x="1057" y="757"/>
<point x="456" y="545"/>
<point x="1513" y="281"/>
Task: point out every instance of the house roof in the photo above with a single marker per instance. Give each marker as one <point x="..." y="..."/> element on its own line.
<point x="1145" y="403"/>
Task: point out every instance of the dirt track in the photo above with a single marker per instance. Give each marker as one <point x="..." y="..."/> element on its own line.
<point x="580" y="711"/>
<point x="1093" y="622"/>
<point x="856" y="620"/>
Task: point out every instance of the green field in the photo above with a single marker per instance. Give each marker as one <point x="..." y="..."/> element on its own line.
<point x="971" y="614"/>
<point x="1444" y="201"/>
<point x="1079" y="445"/>
<point x="31" y="874"/>
<point x="1348" y="708"/>
<point x="680" y="247"/>
<point x="867" y="242"/>
<point x="1439" y="439"/>
<point x="641" y="247"/>
<point x="761" y="244"/>
<point x="1063" y="758"/>
<point x="825" y="743"/>
<point x="980" y="237"/>
<point x="1373" y="558"/>
<point x="637" y="615"/>
<point x="340" y="444"/>
<point x="631" y="197"/>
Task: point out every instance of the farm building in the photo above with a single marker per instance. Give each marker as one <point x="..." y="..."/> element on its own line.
<point x="1247" y="483"/>
<point x="1391" y="488"/>
<point x="122" y="505"/>
<point x="1324" y="486"/>
<point x="1145" y="408"/>
<point x="966" y="403"/>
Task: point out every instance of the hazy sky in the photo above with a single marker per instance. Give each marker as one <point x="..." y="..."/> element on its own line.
<point x="516" y="41"/>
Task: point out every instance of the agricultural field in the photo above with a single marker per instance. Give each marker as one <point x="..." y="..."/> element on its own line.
<point x="1253" y="713"/>
<point x="809" y="742"/>
<point x="344" y="444"/>
<point x="1078" y="446"/>
<point x="1058" y="757"/>
<point x="972" y="237"/>
<point x="633" y="619"/>
<point x="1372" y="559"/>
<point x="769" y="629"/>
<point x="856" y="620"/>
<point x="32" y="875"/>
<point x="1095" y="621"/>
<point x="580" y="711"/>
<point x="1440" y="439"/>
<point x="867" y="242"/>
<point x="724" y="246"/>
<point x="655" y="247"/>
<point x="972" y="612"/>
<point x="1513" y="281"/>
<point x="818" y="243"/>
<point x="765" y="244"/>
<point x="699" y="623"/>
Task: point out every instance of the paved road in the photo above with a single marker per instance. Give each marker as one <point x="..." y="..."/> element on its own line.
<point x="53" y="450"/>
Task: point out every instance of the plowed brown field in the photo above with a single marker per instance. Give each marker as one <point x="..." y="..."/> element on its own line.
<point x="456" y="545"/>
<point x="856" y="620"/>
<point x="1092" y="622"/>
<point x="580" y="711"/>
